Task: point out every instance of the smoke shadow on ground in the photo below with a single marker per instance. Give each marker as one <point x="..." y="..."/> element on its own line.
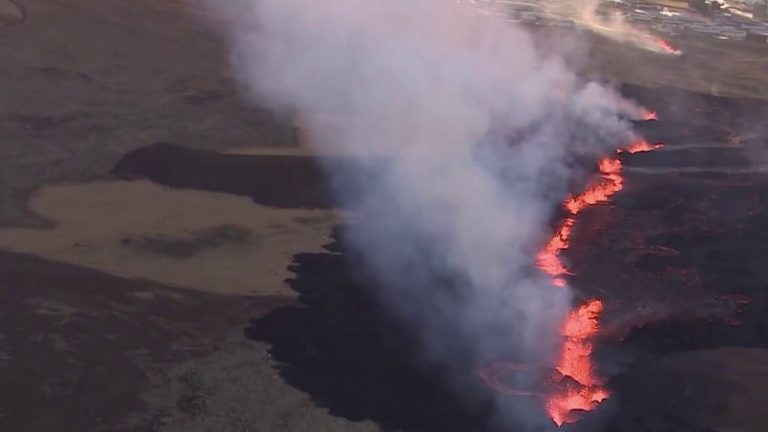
<point x="339" y="346"/>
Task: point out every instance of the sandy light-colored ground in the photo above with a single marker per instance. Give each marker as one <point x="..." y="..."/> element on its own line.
<point x="141" y="230"/>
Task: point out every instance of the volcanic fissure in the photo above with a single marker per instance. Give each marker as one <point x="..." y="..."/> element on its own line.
<point x="573" y="386"/>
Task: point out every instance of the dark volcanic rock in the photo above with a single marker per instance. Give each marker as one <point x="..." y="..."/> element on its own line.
<point x="280" y="181"/>
<point x="709" y="158"/>
<point x="686" y="116"/>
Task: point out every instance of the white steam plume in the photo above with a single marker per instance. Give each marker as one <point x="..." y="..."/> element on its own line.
<point x="477" y="132"/>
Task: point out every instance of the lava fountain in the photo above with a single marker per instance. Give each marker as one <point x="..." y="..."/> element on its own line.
<point x="573" y="386"/>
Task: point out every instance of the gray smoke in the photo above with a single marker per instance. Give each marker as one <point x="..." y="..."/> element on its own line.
<point x="474" y="133"/>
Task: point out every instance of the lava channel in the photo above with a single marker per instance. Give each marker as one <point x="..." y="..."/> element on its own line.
<point x="573" y="386"/>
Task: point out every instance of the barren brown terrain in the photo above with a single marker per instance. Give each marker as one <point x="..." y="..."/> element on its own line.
<point x="201" y="285"/>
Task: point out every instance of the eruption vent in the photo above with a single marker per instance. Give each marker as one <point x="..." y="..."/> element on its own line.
<point x="584" y="392"/>
<point x="573" y="386"/>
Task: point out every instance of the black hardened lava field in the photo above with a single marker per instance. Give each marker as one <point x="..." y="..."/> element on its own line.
<point x="677" y="258"/>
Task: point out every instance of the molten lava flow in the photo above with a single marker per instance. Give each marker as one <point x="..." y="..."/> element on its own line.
<point x="640" y="146"/>
<point x="573" y="386"/>
<point x="667" y="48"/>
<point x="610" y="183"/>
<point x="584" y="391"/>
<point x="580" y="325"/>
<point x="548" y="259"/>
<point x="494" y="374"/>
<point x="561" y="406"/>
<point x="650" y="116"/>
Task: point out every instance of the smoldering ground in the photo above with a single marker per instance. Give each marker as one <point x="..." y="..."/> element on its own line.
<point x="479" y="132"/>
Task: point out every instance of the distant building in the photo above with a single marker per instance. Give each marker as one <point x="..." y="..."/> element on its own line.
<point x="760" y="10"/>
<point x="706" y="7"/>
<point x="619" y="4"/>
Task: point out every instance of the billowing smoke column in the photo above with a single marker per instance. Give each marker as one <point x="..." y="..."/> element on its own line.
<point x="473" y="133"/>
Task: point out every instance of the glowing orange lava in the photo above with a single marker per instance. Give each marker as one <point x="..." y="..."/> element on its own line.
<point x="548" y="260"/>
<point x="650" y="115"/>
<point x="666" y="47"/>
<point x="610" y="183"/>
<point x="585" y="391"/>
<point x="640" y="146"/>
<point x="561" y="406"/>
<point x="574" y="386"/>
